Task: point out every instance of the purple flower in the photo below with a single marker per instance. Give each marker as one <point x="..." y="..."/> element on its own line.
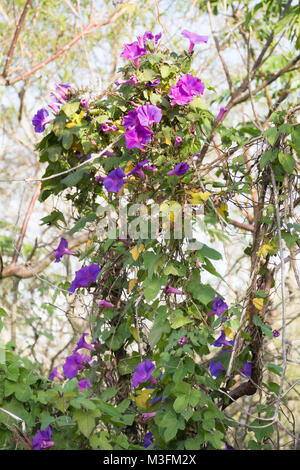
<point x="114" y="180"/>
<point x="83" y="344"/>
<point x="148" y="441"/>
<point x="84" y="276"/>
<point x="276" y="333"/>
<point x="62" y="250"/>
<point x="138" y="169"/>
<point x="246" y="369"/>
<point x="142" y="372"/>
<point x="179" y="169"/>
<point x="63" y="91"/>
<point x="132" y="80"/>
<point x="137" y="137"/>
<point x="96" y="344"/>
<point x="42" y="440"/>
<point x="182" y="341"/>
<point x="156" y="400"/>
<point x="178" y="141"/>
<point x="219" y="306"/>
<point x="222" y="341"/>
<point x="54" y="374"/>
<point x="73" y="364"/>
<point x="154" y="83"/>
<point x="148" y="36"/>
<point x="106" y="127"/>
<point x="221" y="113"/>
<point x="228" y="447"/>
<point x="194" y="38"/>
<point x="146" y="416"/>
<point x="104" y="303"/>
<point x="83" y="384"/>
<point x="185" y="89"/>
<point x="84" y="103"/>
<point x="133" y="51"/>
<point x="172" y="290"/>
<point x="215" y="368"/>
<point x="150" y="168"/>
<point x="148" y="114"/>
<point x="99" y="179"/>
<point x="40" y="120"/>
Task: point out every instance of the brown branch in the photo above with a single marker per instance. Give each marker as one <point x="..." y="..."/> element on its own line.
<point x="85" y="31"/>
<point x="15" y="39"/>
<point x="25" y="223"/>
<point x="250" y="228"/>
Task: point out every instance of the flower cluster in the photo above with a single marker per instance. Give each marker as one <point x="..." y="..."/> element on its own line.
<point x="185" y="89"/>
<point x="60" y="96"/>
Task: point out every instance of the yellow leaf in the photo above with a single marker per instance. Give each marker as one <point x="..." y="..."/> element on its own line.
<point x="143" y="397"/>
<point x="228" y="332"/>
<point x="136" y="251"/>
<point x="264" y="250"/>
<point x="132" y="283"/>
<point x="222" y="209"/>
<point x="129" y="167"/>
<point x="258" y="303"/>
<point x="70" y="124"/>
<point x="167" y="141"/>
<point x="134" y="333"/>
<point x="198" y="197"/>
<point x="88" y="243"/>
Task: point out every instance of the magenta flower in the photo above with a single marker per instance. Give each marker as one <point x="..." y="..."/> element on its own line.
<point x="137" y="137"/>
<point x="133" y="51"/>
<point x="148" y="114"/>
<point x="54" y="374"/>
<point x="222" y="341"/>
<point x="96" y="344"/>
<point x="104" y="303"/>
<point x="132" y="80"/>
<point x="73" y="364"/>
<point x="194" y="38"/>
<point x="215" y="368"/>
<point x="146" y="416"/>
<point x="84" y="103"/>
<point x="246" y="369"/>
<point x="138" y="169"/>
<point x="83" y="384"/>
<point x="62" y="250"/>
<point x="179" y="169"/>
<point x="221" y="114"/>
<point x="185" y="89"/>
<point x="63" y="91"/>
<point x="182" y="341"/>
<point x="142" y="373"/>
<point x="172" y="290"/>
<point x="276" y="333"/>
<point x="178" y="141"/>
<point x="114" y="180"/>
<point x="99" y="179"/>
<point x="83" y="344"/>
<point x="42" y="440"/>
<point x="40" y="120"/>
<point x="106" y="127"/>
<point x="148" y="36"/>
<point x="150" y="168"/>
<point x="84" y="276"/>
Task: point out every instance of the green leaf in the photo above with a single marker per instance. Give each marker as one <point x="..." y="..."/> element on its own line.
<point x="85" y="420"/>
<point x="101" y="441"/>
<point x="82" y="222"/>
<point x="73" y="178"/>
<point x="272" y="135"/>
<point x="70" y="108"/>
<point x="152" y="288"/>
<point x="274" y="368"/>
<point x="287" y="162"/>
<point x="181" y="403"/>
<point x="178" y="319"/>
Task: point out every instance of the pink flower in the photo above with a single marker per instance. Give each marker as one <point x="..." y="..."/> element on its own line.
<point x="194" y="38"/>
<point x="221" y="114"/>
<point x="172" y="290"/>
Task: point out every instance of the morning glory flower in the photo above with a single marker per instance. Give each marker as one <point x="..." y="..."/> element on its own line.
<point x="179" y="169"/>
<point x="42" y="440"/>
<point x="276" y="333"/>
<point x="137" y="137"/>
<point x="185" y="89"/>
<point x="194" y="38"/>
<point x="114" y="180"/>
<point x="219" y="307"/>
<point x="142" y="372"/>
<point x="133" y="51"/>
<point x="132" y="80"/>
<point x="54" y="374"/>
<point x="106" y="127"/>
<point x="83" y="384"/>
<point x="178" y="141"/>
<point x="221" y="114"/>
<point x="63" y="91"/>
<point x="73" y="364"/>
<point x="62" y="250"/>
<point x="246" y="369"/>
<point x="182" y="341"/>
<point x="228" y="447"/>
<point x="150" y="168"/>
<point x="154" y="83"/>
<point x="84" y="276"/>
<point x="146" y="416"/>
<point x="83" y="344"/>
<point x="104" y="303"/>
<point x="215" y="368"/>
<point x="179" y="95"/>
<point x="148" y="36"/>
<point x="172" y="290"/>
<point x="148" y="441"/>
<point x="84" y="103"/>
<point x="138" y="169"/>
<point x="40" y="120"/>
<point x="148" y="114"/>
<point x="222" y="341"/>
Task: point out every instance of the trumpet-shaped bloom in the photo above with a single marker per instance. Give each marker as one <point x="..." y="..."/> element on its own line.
<point x="42" y="440"/>
<point x="215" y="368"/>
<point x="62" y="250"/>
<point x="83" y="384"/>
<point x="107" y="127"/>
<point x="137" y="137"/>
<point x="40" y="120"/>
<point x="219" y="307"/>
<point x="179" y="169"/>
<point x="132" y="80"/>
<point x="142" y="372"/>
<point x="138" y="169"/>
<point x="82" y="344"/>
<point x="148" y="442"/>
<point x="84" y="103"/>
<point x="114" y="180"/>
<point x="194" y="38"/>
<point x="172" y="290"/>
<point x="133" y="51"/>
<point x="144" y="116"/>
<point x="222" y="341"/>
<point x="221" y="114"/>
<point x="185" y="89"/>
<point x="84" y="276"/>
<point x="182" y="341"/>
<point x="276" y="333"/>
<point x="104" y="303"/>
<point x="154" y="83"/>
<point x="246" y="369"/>
<point x="74" y="363"/>
<point x="146" y="416"/>
<point x="178" y="141"/>
<point x="54" y="373"/>
<point x="148" y="36"/>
